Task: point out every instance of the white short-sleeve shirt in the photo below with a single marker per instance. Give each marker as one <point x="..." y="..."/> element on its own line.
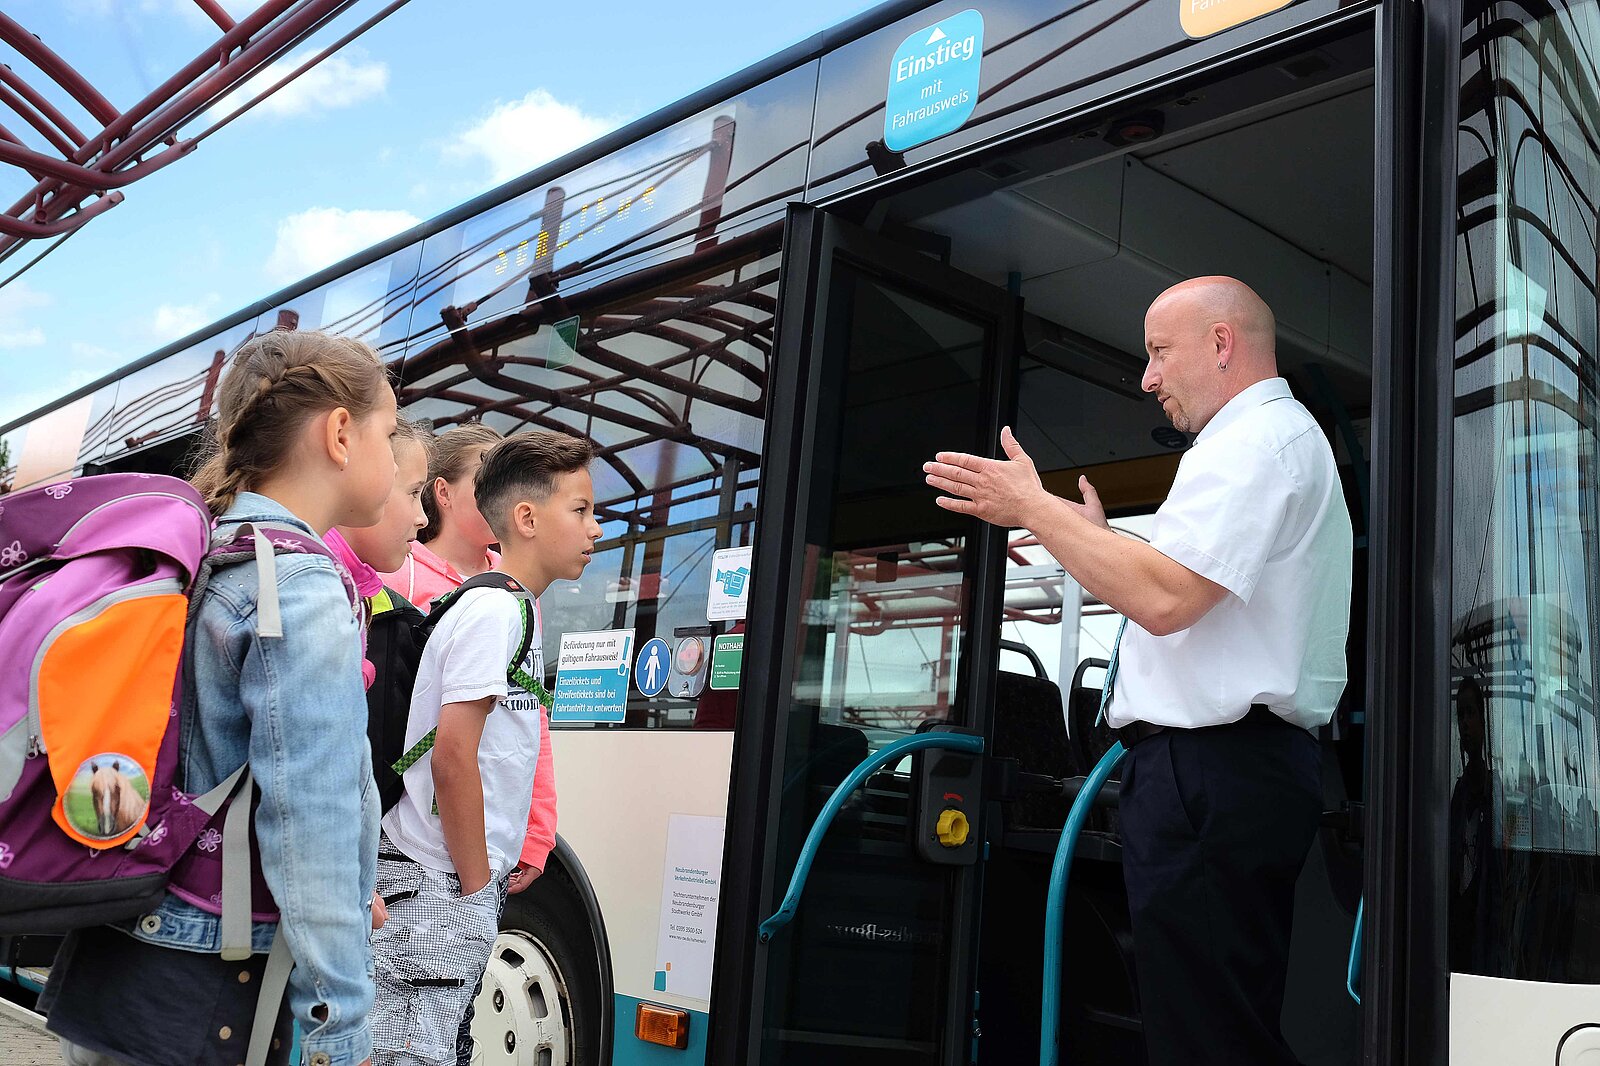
<point x="1257" y="508"/>
<point x="465" y="659"/>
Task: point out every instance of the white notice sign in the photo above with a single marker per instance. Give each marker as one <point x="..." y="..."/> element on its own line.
<point x="691" y="888"/>
<point x="730" y="585"/>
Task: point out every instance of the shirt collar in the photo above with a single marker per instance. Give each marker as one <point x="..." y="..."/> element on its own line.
<point x="254" y="507"/>
<point x="1261" y="392"/>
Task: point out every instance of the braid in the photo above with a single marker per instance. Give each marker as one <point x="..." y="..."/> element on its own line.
<point x="244" y="418"/>
<point x="278" y="380"/>
<point x="232" y="484"/>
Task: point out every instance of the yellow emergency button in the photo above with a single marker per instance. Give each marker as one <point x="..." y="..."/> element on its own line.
<point x="951" y="828"/>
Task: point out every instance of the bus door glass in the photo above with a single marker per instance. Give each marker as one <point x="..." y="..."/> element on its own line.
<point x="891" y="594"/>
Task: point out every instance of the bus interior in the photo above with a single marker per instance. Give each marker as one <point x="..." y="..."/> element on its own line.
<point x="1267" y="174"/>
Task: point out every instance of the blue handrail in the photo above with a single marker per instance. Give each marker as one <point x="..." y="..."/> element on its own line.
<point x="1056" y="904"/>
<point x="1352" y="973"/>
<point x="882" y="757"/>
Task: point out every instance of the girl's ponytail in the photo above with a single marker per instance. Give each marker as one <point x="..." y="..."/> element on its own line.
<point x="274" y="383"/>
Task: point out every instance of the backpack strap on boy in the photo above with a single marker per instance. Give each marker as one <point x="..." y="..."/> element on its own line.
<point x="515" y="674"/>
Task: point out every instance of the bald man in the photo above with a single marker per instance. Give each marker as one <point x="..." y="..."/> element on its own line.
<point x="1231" y="655"/>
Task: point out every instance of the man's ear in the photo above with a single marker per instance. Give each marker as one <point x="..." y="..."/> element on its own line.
<point x="1222" y="337"/>
<point x="336" y="430"/>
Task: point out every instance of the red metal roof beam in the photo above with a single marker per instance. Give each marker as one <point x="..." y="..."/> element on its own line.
<point x="45" y="108"/>
<point x="45" y="205"/>
<point x="215" y="13"/>
<point x="57" y="69"/>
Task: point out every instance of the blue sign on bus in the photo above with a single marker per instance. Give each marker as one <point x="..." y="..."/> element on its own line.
<point x="933" y="81"/>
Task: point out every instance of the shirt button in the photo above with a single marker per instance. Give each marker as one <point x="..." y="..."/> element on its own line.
<point x="244" y="977"/>
<point x="150" y="923"/>
<point x="225" y="1033"/>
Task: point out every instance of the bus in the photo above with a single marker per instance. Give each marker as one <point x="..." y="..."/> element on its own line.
<point x="769" y="303"/>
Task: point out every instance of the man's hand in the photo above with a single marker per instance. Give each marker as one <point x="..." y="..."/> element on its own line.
<point x="522" y="877"/>
<point x="1000" y="491"/>
<point x="1090" y="508"/>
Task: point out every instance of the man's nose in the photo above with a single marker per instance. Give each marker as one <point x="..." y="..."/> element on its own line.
<point x="1151" y="380"/>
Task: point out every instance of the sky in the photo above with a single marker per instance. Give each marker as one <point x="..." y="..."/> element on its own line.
<point x="444" y="100"/>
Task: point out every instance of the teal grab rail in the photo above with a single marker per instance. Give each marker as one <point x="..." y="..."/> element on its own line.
<point x="1352" y="973"/>
<point x="882" y="757"/>
<point x="1056" y="904"/>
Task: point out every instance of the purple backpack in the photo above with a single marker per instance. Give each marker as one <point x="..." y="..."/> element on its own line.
<point x="99" y="581"/>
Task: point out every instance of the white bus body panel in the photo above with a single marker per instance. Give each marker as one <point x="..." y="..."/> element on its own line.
<point x="1499" y="1022"/>
<point x="615" y="791"/>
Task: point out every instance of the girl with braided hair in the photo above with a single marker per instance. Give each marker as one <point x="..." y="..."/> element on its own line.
<point x="303" y="432"/>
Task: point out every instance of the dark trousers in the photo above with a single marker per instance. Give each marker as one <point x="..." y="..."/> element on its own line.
<point x="1216" y="824"/>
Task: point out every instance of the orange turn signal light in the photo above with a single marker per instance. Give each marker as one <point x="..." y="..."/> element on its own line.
<point x="666" y="1026"/>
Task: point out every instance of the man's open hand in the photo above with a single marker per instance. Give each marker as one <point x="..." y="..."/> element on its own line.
<point x="1001" y="491"/>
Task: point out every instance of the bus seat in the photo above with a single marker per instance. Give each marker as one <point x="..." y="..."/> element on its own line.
<point x="1029" y="727"/>
<point x="1089" y="740"/>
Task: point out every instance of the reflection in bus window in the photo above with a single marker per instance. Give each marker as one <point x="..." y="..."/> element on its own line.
<point x="371" y="303"/>
<point x="1524" y="832"/>
<point x="667" y="377"/>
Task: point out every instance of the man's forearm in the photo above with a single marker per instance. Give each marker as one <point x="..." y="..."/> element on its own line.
<point x="1127" y="575"/>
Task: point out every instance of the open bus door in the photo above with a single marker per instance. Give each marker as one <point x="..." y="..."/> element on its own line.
<point x="882" y="623"/>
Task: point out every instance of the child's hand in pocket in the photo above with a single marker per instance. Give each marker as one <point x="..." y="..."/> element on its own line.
<point x="380" y="913"/>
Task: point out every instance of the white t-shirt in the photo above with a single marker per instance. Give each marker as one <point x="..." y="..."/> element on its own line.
<point x="465" y="659"/>
<point x="1257" y="508"/>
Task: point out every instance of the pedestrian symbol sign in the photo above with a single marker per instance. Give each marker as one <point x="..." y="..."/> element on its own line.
<point x="933" y="81"/>
<point x="655" y="663"/>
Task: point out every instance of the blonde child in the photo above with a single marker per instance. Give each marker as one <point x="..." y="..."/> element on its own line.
<point x="303" y="439"/>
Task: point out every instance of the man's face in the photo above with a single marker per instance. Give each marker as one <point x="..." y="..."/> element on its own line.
<point x="1182" y="363"/>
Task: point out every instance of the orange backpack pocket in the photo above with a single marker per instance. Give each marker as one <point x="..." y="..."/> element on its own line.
<point x="103" y="687"/>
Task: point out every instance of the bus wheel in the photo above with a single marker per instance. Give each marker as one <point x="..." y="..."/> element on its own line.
<point x="540" y="998"/>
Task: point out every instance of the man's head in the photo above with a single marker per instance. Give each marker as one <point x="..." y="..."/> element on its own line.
<point x="534" y="490"/>
<point x="1207" y="339"/>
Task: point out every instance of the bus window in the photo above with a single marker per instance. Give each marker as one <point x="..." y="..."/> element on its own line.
<point x="372" y="303"/>
<point x="668" y="383"/>
<point x="1524" y="856"/>
<point x="172" y="398"/>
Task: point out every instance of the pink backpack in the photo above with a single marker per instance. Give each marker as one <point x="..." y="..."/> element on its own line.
<point x="99" y="577"/>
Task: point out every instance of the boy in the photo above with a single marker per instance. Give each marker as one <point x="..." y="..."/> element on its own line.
<point x="450" y="843"/>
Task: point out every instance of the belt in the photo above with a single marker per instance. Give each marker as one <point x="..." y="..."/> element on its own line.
<point x="1133" y="732"/>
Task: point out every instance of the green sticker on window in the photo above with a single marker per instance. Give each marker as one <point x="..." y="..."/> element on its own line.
<point x="727" y="661"/>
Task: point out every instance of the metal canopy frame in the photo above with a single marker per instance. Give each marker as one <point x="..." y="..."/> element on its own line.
<point x="78" y="175"/>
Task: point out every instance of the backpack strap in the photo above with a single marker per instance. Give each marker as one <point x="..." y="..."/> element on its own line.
<point x="274" y="986"/>
<point x="514" y="672"/>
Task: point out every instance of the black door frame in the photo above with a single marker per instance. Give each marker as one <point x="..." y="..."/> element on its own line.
<point x="1406" y="995"/>
<point x="814" y="239"/>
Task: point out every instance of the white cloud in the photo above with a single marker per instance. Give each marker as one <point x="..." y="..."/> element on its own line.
<point x="322" y="236"/>
<point x="516" y="136"/>
<point x="172" y="321"/>
<point x="31" y="337"/>
<point x="17" y="302"/>
<point x="96" y="356"/>
<point x="341" y="80"/>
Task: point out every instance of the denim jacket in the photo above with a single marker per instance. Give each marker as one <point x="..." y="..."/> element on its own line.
<point x="294" y="708"/>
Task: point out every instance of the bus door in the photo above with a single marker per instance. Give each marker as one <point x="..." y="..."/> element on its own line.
<point x="880" y="624"/>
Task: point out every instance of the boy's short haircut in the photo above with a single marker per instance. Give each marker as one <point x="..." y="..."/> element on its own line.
<point x="525" y="466"/>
